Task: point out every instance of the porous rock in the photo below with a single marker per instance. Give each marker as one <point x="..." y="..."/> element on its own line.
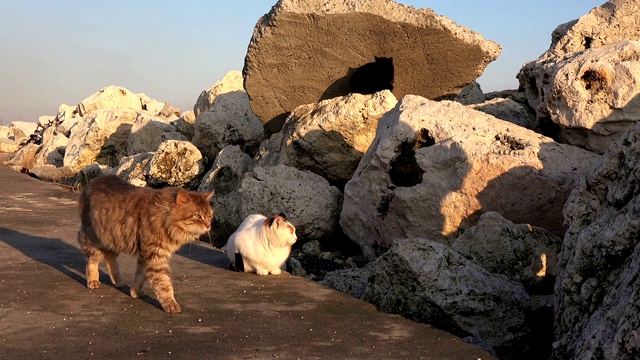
<point x="435" y="167"/>
<point x="110" y="97"/>
<point x="149" y="131"/>
<point x="176" y="163"/>
<point x="597" y="297"/>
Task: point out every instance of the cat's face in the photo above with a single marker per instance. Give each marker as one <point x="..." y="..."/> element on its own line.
<point x="193" y="212"/>
<point x="285" y="231"/>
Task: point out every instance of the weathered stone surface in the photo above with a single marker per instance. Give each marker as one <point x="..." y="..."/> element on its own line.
<point x="25" y="156"/>
<point x="110" y="97"/>
<point x="26" y="127"/>
<point x="351" y="281"/>
<point x="507" y="110"/>
<point x="228" y="121"/>
<point x="614" y="21"/>
<point x="100" y="137"/>
<point x="66" y="112"/>
<point x="224" y="179"/>
<point x="151" y="105"/>
<point x="470" y="94"/>
<point x="134" y="169"/>
<point x="176" y="163"/>
<point x="185" y="124"/>
<point x="593" y="95"/>
<point x="149" y="131"/>
<point x="12" y="133"/>
<point x="428" y="282"/>
<point x="435" y="167"/>
<point x="597" y="297"/>
<point x="280" y="74"/>
<point x="8" y="146"/>
<point x="53" y="147"/>
<point x="329" y="137"/>
<point x="523" y="253"/>
<point x="232" y="81"/>
<point x="307" y="199"/>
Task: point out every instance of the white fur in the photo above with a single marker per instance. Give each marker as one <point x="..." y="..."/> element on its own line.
<point x="264" y="248"/>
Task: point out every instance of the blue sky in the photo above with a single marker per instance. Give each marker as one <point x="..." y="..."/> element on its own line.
<point x="60" y="52"/>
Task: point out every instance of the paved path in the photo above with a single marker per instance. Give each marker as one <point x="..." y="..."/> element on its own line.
<point x="47" y="312"/>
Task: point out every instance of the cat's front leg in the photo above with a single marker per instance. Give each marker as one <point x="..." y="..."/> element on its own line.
<point x="157" y="270"/>
<point x="94" y="255"/>
<point x="262" y="271"/>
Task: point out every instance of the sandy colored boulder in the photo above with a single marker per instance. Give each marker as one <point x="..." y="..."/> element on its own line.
<point x="176" y="163"/>
<point x="231" y="81"/>
<point x="110" y="97"/>
<point x="305" y="51"/>
<point x="435" y="167"/>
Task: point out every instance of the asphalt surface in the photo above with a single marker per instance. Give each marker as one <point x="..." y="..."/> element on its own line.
<point x="47" y="312"/>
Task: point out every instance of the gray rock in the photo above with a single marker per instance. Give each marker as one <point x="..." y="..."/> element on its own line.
<point x="428" y="282"/>
<point x="597" y="297"/>
<point x="280" y="75"/>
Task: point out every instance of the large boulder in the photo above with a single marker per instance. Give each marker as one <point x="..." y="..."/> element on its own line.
<point x="523" y="253"/>
<point x="53" y="147"/>
<point x="329" y="137"/>
<point x="305" y="51"/>
<point x="100" y="137"/>
<point x="232" y="81"/>
<point x="149" y="131"/>
<point x="110" y="97"/>
<point x="592" y="96"/>
<point x="176" y="163"/>
<point x="435" y="167"/>
<point x="597" y="297"/>
<point x="428" y="282"/>
<point x="614" y="21"/>
<point x="228" y="121"/>
<point x="307" y="199"/>
<point x="134" y="168"/>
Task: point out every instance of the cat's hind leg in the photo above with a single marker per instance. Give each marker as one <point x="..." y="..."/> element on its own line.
<point x="138" y="280"/>
<point x="114" y="269"/>
<point x="94" y="255"/>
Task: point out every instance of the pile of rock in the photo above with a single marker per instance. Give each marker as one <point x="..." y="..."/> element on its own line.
<point x="464" y="212"/>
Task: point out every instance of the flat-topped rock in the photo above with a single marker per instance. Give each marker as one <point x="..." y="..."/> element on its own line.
<point x="305" y="51"/>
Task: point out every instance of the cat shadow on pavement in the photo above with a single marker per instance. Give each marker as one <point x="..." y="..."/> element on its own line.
<point x="196" y="251"/>
<point x="49" y="251"/>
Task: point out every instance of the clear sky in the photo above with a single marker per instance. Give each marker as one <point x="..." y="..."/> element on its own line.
<point x="61" y="52"/>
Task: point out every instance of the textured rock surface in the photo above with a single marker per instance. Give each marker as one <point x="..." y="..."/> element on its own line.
<point x="593" y="95"/>
<point x="149" y="131"/>
<point x="224" y="179"/>
<point x="110" y="97"/>
<point x="523" y="253"/>
<point x="435" y="167"/>
<point x="614" y="21"/>
<point x="232" y="81"/>
<point x="134" y="169"/>
<point x="228" y="121"/>
<point x="176" y="163"/>
<point x="100" y="137"/>
<point x="352" y="281"/>
<point x="597" y="296"/>
<point x="428" y="282"/>
<point x="280" y="75"/>
<point x="507" y="110"/>
<point x="53" y="147"/>
<point x="329" y="137"/>
<point x="308" y="201"/>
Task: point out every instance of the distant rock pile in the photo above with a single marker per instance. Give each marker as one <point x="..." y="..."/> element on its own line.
<point x="508" y="218"/>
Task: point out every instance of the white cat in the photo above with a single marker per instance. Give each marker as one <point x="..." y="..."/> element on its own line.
<point x="264" y="243"/>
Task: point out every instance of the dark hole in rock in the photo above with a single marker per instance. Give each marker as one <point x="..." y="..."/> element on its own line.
<point x="405" y="171"/>
<point x="587" y="42"/>
<point x="373" y="77"/>
<point x="594" y="80"/>
<point x="510" y="142"/>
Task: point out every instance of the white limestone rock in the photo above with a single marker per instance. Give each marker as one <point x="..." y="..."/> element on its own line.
<point x="149" y="131"/>
<point x="110" y="97"/>
<point x="176" y="163"/>
<point x="232" y="81"/>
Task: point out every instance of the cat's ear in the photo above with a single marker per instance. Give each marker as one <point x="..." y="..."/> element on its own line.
<point x="208" y="195"/>
<point x="182" y="197"/>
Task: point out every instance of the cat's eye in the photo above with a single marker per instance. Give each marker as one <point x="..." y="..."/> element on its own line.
<point x="199" y="217"/>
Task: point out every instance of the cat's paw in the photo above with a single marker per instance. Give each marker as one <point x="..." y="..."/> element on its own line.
<point x="93" y="284"/>
<point x="120" y="284"/>
<point x="262" y="272"/>
<point x="171" y="307"/>
<point x="135" y="293"/>
<point x="276" y="271"/>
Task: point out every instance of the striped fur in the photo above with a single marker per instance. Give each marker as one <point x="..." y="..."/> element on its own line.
<point x="151" y="224"/>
